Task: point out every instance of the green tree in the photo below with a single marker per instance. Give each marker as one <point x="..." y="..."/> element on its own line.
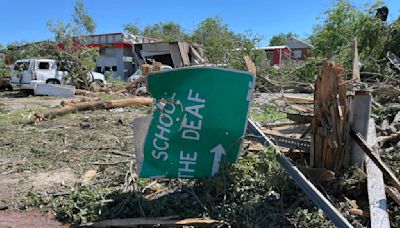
<point x="84" y="22"/>
<point x="223" y="46"/>
<point x="281" y="38"/>
<point x="3" y="59"/>
<point x="332" y="39"/>
<point x="78" y="60"/>
<point x="132" y="28"/>
<point x="168" y="31"/>
<point x="216" y="38"/>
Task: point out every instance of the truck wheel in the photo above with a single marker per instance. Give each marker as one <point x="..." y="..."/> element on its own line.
<point x="52" y="81"/>
<point x="27" y="92"/>
<point x="96" y="85"/>
<point x="99" y="83"/>
<point x="9" y="87"/>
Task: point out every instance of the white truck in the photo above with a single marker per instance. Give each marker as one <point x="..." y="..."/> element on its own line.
<point x="27" y="73"/>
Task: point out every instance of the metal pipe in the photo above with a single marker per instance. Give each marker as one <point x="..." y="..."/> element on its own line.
<point x="312" y="192"/>
<point x="359" y="120"/>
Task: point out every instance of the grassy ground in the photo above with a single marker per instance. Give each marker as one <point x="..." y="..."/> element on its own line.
<point x="48" y="162"/>
<point x="47" y="166"/>
<point x="72" y="142"/>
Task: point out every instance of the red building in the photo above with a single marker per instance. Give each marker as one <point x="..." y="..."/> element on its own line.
<point x="300" y="49"/>
<point x="277" y="54"/>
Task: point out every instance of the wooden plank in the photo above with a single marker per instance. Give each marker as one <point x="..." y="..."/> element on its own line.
<point x="184" y="52"/>
<point x="322" y="175"/>
<point x="299" y="100"/>
<point x="375" y="185"/>
<point x="312" y="192"/>
<point x="301" y="108"/>
<point x="393" y="193"/>
<point x="175" y="54"/>
<point x="299" y="118"/>
<point x="376" y="159"/>
<point x="158" y="221"/>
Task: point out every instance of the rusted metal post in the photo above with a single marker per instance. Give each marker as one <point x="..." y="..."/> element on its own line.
<point x="359" y="120"/>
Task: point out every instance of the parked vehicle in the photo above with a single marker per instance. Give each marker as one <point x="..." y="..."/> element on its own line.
<point x="26" y="73"/>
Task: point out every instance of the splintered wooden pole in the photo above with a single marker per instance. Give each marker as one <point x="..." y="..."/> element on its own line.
<point x="356" y="61"/>
<point x="330" y="121"/>
<point x="360" y="114"/>
<point x="376" y="186"/>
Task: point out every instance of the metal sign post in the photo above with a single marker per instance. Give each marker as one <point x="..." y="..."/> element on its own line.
<point x="312" y="192"/>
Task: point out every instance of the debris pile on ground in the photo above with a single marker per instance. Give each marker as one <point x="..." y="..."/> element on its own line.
<point x="320" y="149"/>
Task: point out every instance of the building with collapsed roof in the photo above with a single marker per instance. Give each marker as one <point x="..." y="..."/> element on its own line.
<point x="115" y="51"/>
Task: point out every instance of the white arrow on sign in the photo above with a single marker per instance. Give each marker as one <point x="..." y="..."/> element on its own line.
<point x="218" y="152"/>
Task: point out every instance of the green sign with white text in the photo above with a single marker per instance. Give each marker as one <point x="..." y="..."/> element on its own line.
<point x="198" y="120"/>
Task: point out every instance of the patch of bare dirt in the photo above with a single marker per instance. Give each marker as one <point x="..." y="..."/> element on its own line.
<point x="29" y="218"/>
<point x="13" y="185"/>
<point x="15" y="100"/>
<point x="55" y="155"/>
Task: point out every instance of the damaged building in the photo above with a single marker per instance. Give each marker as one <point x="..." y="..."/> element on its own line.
<point x="115" y="52"/>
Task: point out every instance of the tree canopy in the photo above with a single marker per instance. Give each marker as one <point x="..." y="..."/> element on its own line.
<point x="281" y="38"/>
<point x="332" y="39"/>
<point x="82" y="19"/>
<point x="166" y="31"/>
<point x="132" y="28"/>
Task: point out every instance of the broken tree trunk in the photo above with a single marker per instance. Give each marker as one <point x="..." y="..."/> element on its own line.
<point x="329" y="126"/>
<point x="69" y="107"/>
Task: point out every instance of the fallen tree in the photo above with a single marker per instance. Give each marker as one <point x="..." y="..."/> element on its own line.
<point x="69" y="107"/>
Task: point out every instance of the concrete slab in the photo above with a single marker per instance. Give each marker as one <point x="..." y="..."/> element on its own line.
<point x="54" y="90"/>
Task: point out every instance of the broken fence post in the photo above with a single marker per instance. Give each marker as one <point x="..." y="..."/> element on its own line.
<point x="312" y="192"/>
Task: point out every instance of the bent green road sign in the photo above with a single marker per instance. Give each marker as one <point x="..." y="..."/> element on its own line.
<point x="198" y="120"/>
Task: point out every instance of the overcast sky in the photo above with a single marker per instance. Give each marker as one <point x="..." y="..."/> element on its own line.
<point x="25" y="20"/>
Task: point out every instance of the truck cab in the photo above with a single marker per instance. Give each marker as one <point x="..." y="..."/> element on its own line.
<point x="27" y="73"/>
